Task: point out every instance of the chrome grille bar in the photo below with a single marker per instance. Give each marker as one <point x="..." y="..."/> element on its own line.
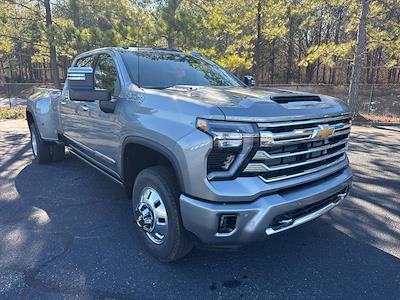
<point x="289" y="149"/>
<point x="267" y="138"/>
<point x="261" y="167"/>
<point x="311" y="121"/>
<point x="305" y="172"/>
<point x="264" y="155"/>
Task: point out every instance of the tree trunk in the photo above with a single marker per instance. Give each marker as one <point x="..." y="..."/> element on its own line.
<point x="11" y="79"/>
<point x="53" y="54"/>
<point x="298" y="67"/>
<point x="21" y="69"/>
<point x="44" y="71"/>
<point x="336" y="40"/>
<point x="310" y="72"/>
<point x="170" y="41"/>
<point x="369" y="68"/>
<point x="290" y="47"/>
<point x="30" y="69"/>
<point x="272" y="62"/>
<point x="257" y="50"/>
<point x="378" y="63"/>
<point x="358" y="57"/>
<point x="74" y="6"/>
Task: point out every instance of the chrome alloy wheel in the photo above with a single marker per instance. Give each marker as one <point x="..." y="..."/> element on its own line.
<point x="34" y="143"/>
<point x="151" y="215"/>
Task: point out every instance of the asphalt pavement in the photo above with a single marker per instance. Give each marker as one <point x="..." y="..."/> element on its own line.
<point x="66" y="232"/>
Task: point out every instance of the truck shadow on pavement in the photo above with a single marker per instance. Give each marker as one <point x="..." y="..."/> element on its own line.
<point x="67" y="230"/>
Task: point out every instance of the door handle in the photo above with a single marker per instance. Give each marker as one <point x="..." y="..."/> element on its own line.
<point x="63" y="102"/>
<point x="84" y="107"/>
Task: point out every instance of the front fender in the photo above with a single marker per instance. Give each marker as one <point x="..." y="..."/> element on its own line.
<point x="167" y="153"/>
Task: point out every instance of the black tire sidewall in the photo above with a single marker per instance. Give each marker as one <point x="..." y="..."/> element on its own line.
<point x="32" y="128"/>
<point x="57" y="152"/>
<point x="43" y="150"/>
<point x="159" y="179"/>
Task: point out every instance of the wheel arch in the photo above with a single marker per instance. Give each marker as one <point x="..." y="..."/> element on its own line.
<point x="29" y="118"/>
<point x="139" y="153"/>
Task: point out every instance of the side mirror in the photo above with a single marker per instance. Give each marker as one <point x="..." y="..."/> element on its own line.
<point x="81" y="85"/>
<point x="249" y="80"/>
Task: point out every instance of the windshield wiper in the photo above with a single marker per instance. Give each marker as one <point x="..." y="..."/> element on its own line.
<point x="187" y="87"/>
<point x="157" y="87"/>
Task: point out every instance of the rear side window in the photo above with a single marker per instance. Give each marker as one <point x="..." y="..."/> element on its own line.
<point x="105" y="73"/>
<point x="85" y="62"/>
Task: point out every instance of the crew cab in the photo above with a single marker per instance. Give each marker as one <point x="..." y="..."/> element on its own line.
<point x="203" y="156"/>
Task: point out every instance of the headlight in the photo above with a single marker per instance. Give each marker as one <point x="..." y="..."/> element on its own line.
<point x="234" y="143"/>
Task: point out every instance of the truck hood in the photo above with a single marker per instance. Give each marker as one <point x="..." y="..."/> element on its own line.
<point x="261" y="104"/>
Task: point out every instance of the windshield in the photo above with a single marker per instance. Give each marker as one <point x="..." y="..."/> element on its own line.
<point x="165" y="69"/>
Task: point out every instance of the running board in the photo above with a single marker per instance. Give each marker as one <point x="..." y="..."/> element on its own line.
<point x="87" y="160"/>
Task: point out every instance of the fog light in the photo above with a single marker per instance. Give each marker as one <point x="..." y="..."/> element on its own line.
<point x="227" y="223"/>
<point x="228" y="161"/>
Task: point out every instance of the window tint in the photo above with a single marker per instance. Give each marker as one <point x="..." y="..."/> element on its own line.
<point x="85" y="62"/>
<point x="105" y="73"/>
<point x="166" y="69"/>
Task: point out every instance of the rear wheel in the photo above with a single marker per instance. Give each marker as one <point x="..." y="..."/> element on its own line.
<point x="41" y="150"/>
<point x="57" y="152"/>
<point x="157" y="215"/>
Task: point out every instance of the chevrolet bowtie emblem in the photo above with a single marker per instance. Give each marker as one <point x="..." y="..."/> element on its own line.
<point x="323" y="131"/>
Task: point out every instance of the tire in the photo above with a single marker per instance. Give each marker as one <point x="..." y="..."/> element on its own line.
<point x="57" y="152"/>
<point x="41" y="150"/>
<point x="151" y="184"/>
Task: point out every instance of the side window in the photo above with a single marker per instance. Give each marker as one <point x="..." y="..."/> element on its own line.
<point x="85" y="62"/>
<point x="105" y="74"/>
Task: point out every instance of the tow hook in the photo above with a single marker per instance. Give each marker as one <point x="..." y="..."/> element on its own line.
<point x="285" y="222"/>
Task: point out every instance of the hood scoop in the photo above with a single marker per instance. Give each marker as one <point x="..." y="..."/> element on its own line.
<point x="298" y="98"/>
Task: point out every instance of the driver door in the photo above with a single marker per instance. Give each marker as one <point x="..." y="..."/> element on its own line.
<point x="72" y="112"/>
<point x="101" y="129"/>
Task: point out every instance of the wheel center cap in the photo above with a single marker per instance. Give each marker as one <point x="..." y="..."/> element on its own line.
<point x="144" y="217"/>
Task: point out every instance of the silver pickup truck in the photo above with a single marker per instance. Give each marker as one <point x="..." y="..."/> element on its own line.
<point x="203" y="156"/>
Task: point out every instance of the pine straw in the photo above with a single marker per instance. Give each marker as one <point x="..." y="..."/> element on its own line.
<point x="17" y="112"/>
<point x="376" y="118"/>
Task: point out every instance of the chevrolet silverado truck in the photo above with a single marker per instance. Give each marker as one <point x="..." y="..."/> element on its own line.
<point x="204" y="157"/>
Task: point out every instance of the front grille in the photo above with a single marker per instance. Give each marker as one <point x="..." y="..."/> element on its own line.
<point x="291" y="149"/>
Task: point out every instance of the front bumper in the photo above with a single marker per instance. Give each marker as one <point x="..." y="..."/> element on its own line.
<point x="254" y="220"/>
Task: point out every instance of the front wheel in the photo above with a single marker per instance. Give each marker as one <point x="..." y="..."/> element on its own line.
<point x="157" y="214"/>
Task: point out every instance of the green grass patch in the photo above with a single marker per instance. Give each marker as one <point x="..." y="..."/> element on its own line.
<point x="17" y="112"/>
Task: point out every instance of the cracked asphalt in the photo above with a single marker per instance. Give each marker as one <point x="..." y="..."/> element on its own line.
<point x="66" y="233"/>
